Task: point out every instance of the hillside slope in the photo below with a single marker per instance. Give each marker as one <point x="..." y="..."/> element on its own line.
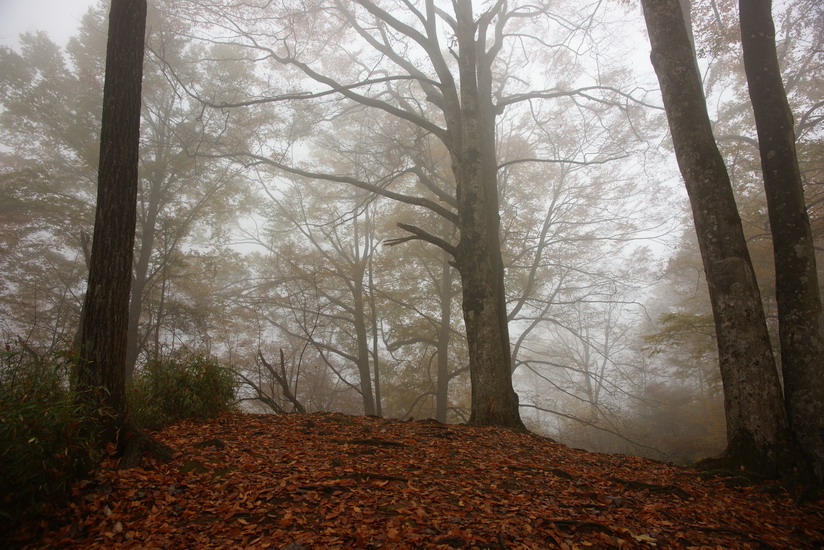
<point x="335" y="481"/>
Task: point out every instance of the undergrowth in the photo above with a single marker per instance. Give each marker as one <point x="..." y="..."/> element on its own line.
<point x="48" y="438"/>
<point x="190" y="386"/>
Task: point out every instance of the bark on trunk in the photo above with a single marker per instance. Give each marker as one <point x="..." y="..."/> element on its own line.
<point x="100" y="367"/>
<point x="800" y="317"/>
<point x="757" y="428"/>
<point x="479" y="261"/>
<point x="103" y="338"/>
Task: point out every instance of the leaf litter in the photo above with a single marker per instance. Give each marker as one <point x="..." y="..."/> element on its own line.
<point x="328" y="480"/>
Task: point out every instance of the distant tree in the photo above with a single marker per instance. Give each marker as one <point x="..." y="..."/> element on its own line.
<point x="320" y="288"/>
<point x="438" y="70"/>
<point x="50" y="122"/>
<point x="49" y="158"/>
<point x="104" y="324"/>
<point x="682" y="336"/>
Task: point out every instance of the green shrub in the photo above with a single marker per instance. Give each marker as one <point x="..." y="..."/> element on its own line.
<point x="47" y="439"/>
<point x="191" y="386"/>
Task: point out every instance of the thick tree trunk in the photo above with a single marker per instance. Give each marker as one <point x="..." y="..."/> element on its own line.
<point x="105" y="323"/>
<point x="800" y="317"/>
<point x="757" y="427"/>
<point x="106" y="308"/>
<point x="479" y="261"/>
<point x="494" y="401"/>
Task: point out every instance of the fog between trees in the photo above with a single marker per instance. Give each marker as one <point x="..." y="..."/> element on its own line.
<point x="412" y="202"/>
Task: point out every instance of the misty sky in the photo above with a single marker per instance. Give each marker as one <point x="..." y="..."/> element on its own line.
<point x="59" y="18"/>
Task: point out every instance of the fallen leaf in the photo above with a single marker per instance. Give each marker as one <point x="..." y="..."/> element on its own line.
<point x="298" y="481"/>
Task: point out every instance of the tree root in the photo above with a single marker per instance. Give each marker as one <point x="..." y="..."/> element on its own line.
<point x="134" y="442"/>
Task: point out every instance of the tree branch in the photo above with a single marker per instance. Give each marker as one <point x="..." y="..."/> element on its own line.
<point x="377" y="189"/>
<point x="733" y="137"/>
<point x="583" y="92"/>
<point x="281" y="379"/>
<point x="590" y="424"/>
<point x="562" y="161"/>
<point x="421" y="235"/>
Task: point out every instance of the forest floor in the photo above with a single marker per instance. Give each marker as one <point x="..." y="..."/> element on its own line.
<point x="334" y="481"/>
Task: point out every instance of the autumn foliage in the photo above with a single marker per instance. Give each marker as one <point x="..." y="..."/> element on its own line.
<point x="333" y="481"/>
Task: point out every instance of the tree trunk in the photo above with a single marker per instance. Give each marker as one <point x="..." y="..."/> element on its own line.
<point x="444" y="336"/>
<point x="757" y="428"/>
<point x="141" y="279"/>
<point x="100" y="366"/>
<point x="359" y="318"/>
<point x="373" y="325"/>
<point x="800" y="317"/>
<point x="479" y="261"/>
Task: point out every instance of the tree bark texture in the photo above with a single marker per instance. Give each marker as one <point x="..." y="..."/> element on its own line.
<point x="800" y="317"/>
<point x="106" y="306"/>
<point x="757" y="427"/>
<point x="105" y="317"/>
<point x="479" y="261"/>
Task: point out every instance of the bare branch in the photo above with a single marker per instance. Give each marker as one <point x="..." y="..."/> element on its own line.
<point x="281" y="379"/>
<point x="590" y="424"/>
<point x="731" y="137"/>
<point x="562" y="161"/>
<point x="260" y="394"/>
<point x="373" y="188"/>
<point x="421" y="235"/>
<point x="582" y="92"/>
<point x="366" y="100"/>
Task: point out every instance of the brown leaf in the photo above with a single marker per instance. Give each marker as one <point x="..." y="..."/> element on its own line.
<point x="285" y="481"/>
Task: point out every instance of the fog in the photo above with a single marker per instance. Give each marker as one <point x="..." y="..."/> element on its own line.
<point x="303" y="212"/>
<point x="59" y="19"/>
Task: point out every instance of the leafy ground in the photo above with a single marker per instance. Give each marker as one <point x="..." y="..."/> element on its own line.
<point x="335" y="481"/>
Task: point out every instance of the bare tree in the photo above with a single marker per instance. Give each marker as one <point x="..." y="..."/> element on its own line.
<point x="321" y="288"/>
<point x="437" y="71"/>
<point x="277" y="375"/>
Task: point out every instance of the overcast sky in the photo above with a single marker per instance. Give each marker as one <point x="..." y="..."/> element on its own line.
<point x="59" y="18"/>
